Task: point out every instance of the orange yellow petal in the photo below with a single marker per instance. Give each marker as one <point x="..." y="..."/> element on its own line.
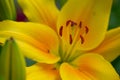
<point x="95" y="65"/>
<point x="42" y="72"/>
<point x="110" y="47"/>
<point x="42" y="11"/>
<point x="68" y="72"/>
<point x="35" y="40"/>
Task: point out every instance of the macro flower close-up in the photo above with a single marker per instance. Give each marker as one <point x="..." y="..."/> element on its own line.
<point x="71" y="43"/>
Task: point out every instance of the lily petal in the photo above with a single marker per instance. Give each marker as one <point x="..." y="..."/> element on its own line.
<point x="93" y="14"/>
<point x="32" y="39"/>
<point x="42" y="72"/>
<point x="96" y="67"/>
<point x="67" y="72"/>
<point x="110" y="47"/>
<point x="42" y="11"/>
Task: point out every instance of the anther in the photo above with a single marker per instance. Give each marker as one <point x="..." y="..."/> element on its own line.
<point x="73" y="24"/>
<point x="61" y="30"/>
<point x="68" y="22"/>
<point x="80" y="24"/>
<point x="82" y="39"/>
<point x="86" y="29"/>
<point x="71" y="40"/>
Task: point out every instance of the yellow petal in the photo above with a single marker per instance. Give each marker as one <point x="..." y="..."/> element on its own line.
<point x="42" y="72"/>
<point x="35" y="40"/>
<point x="42" y="11"/>
<point x="96" y="66"/>
<point x="110" y="47"/>
<point x="93" y="14"/>
<point x="68" y="72"/>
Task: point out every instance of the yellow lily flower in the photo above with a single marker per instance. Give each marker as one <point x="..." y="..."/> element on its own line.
<point x="67" y="43"/>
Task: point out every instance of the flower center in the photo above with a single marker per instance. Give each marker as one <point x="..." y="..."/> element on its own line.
<point x="73" y="31"/>
<point x="71" y="34"/>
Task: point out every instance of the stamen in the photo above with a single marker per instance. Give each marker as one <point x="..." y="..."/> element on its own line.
<point x="82" y="39"/>
<point x="71" y="40"/>
<point x="61" y="30"/>
<point x="68" y="22"/>
<point x="86" y="29"/>
<point x="80" y="24"/>
<point x="71" y="23"/>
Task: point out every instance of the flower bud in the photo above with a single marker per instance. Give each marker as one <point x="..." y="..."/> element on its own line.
<point x="7" y="10"/>
<point x="12" y="64"/>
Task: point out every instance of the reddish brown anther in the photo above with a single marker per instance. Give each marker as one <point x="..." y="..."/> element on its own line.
<point x="73" y="24"/>
<point x="80" y="24"/>
<point x="61" y="30"/>
<point x="86" y="29"/>
<point x="71" y="40"/>
<point x="82" y="39"/>
<point x="68" y="22"/>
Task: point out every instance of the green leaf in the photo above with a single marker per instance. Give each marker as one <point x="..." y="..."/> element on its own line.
<point x="12" y="64"/>
<point x="7" y="10"/>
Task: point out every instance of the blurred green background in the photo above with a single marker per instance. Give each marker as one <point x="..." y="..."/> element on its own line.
<point x="115" y="15"/>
